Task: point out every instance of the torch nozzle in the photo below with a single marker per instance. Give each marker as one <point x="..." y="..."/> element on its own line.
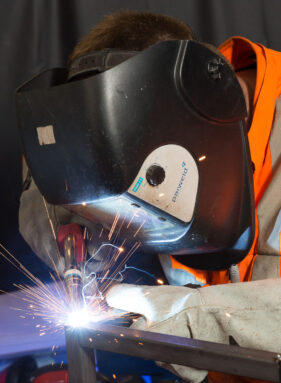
<point x="73" y="285"/>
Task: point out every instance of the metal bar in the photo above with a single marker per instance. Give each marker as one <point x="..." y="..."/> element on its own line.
<point x="81" y="360"/>
<point x="178" y="350"/>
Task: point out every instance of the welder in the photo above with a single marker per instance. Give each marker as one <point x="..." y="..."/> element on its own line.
<point x="168" y="119"/>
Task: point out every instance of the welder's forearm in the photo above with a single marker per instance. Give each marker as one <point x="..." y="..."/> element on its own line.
<point x="249" y="312"/>
<point x="35" y="227"/>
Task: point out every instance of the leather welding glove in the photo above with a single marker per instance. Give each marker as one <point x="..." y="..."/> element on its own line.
<point x="249" y="312"/>
<point x="39" y="223"/>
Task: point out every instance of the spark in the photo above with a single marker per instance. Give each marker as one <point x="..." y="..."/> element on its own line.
<point x="141" y="225"/>
<point x="116" y="219"/>
<point x="92" y="279"/>
<point x="52" y="228"/>
<point x="131" y="220"/>
<point x="202" y="158"/>
<point x="50" y="302"/>
<point x="160" y="281"/>
<point x="85" y="233"/>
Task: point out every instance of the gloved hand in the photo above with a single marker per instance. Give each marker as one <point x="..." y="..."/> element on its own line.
<point x="249" y="312"/>
<point x="39" y="223"/>
<point x="164" y="311"/>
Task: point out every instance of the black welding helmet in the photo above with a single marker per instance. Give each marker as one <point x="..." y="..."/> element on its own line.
<point x="157" y="140"/>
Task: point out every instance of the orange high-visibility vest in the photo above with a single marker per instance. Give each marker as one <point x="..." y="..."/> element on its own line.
<point x="242" y="53"/>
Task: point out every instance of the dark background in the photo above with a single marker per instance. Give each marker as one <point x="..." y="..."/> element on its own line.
<point x="38" y="34"/>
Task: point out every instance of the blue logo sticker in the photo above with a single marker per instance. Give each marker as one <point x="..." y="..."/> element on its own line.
<point x="138" y="184"/>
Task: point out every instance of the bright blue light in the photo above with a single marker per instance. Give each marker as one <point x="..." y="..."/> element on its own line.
<point x="146" y="378"/>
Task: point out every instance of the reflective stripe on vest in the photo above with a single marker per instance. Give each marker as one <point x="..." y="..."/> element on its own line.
<point x="178" y="276"/>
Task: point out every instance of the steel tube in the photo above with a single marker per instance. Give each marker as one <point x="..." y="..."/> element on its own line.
<point x="188" y="352"/>
<point x="81" y="360"/>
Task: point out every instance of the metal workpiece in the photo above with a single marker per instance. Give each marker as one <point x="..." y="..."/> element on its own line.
<point x="171" y="349"/>
<point x="81" y="360"/>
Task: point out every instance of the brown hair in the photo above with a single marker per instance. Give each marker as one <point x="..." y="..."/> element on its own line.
<point x="129" y="30"/>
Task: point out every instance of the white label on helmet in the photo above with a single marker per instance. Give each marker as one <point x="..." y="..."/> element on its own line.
<point x="46" y="135"/>
<point x="177" y="191"/>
